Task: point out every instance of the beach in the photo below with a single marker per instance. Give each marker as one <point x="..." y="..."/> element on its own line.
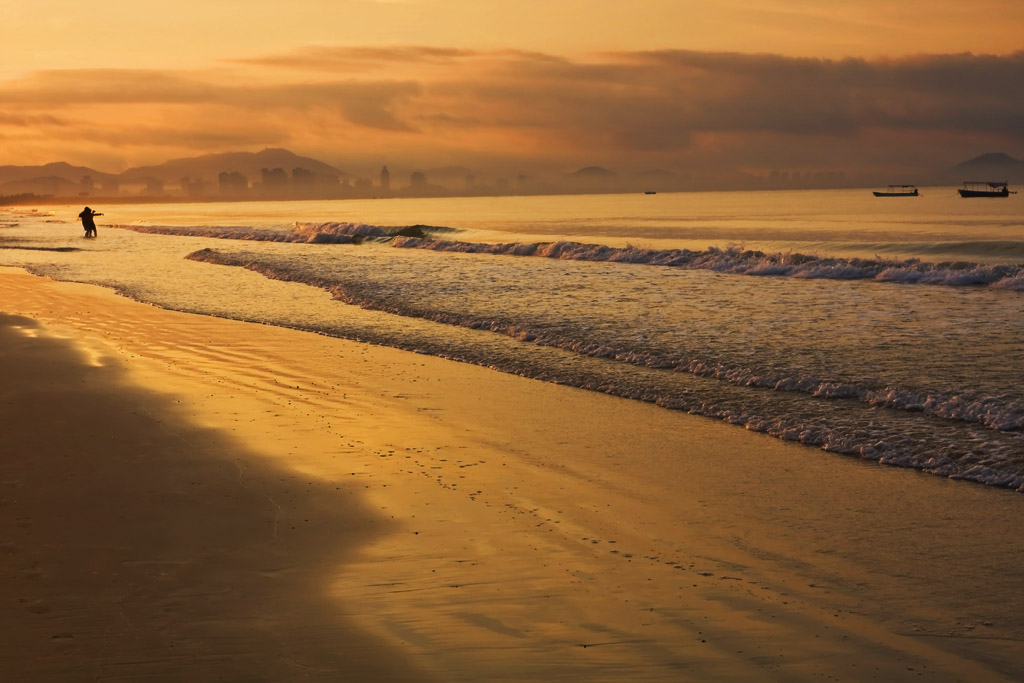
<point x="189" y="497"/>
<point x="408" y="341"/>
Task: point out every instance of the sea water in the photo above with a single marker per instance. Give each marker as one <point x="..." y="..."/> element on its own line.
<point x="890" y="329"/>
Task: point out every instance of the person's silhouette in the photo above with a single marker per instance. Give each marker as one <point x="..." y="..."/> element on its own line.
<point x="87" y="221"/>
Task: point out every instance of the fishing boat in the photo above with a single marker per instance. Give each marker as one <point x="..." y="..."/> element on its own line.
<point x="897" y="191"/>
<point x="985" y="189"/>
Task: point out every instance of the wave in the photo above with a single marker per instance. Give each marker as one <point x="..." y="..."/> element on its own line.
<point x="305" y="233"/>
<point x="737" y="261"/>
<point x="991" y="412"/>
<point x="979" y="437"/>
<point x="733" y="260"/>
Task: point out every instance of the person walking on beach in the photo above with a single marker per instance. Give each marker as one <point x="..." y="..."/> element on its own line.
<point x="88" y="223"/>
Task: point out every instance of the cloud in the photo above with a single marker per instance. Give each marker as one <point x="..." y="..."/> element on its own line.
<point x="640" y="108"/>
<point x="30" y="121"/>
<point x="375" y="105"/>
<point x="209" y="136"/>
<point x="792" y="95"/>
<point x="325" y="58"/>
<point x="362" y="103"/>
<point x="57" y="88"/>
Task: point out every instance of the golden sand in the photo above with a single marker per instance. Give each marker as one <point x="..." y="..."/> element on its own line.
<point x="189" y="498"/>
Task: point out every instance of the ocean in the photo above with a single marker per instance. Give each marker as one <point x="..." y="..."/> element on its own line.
<point x="889" y="329"/>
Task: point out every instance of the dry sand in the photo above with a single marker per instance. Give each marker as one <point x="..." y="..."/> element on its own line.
<point x="188" y="498"/>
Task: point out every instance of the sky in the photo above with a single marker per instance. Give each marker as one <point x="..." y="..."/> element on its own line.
<point x="526" y="87"/>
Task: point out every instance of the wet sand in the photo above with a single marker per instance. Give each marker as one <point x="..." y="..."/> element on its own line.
<point x="188" y="498"/>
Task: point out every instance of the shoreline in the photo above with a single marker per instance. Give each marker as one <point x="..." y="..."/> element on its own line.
<point x="30" y="199"/>
<point x="462" y="523"/>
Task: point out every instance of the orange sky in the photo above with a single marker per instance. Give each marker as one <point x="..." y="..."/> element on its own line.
<point x="514" y="86"/>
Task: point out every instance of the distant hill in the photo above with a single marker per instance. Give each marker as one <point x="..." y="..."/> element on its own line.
<point x="592" y="173"/>
<point x="996" y="166"/>
<point x="592" y="179"/>
<point x="63" y="180"/>
<point x="59" y="169"/>
<point x="992" y="159"/>
<point x="209" y="166"/>
<point x="41" y="186"/>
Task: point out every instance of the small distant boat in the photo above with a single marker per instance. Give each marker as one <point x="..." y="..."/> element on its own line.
<point x="985" y="189"/>
<point x="650" y="192"/>
<point x="897" y="191"/>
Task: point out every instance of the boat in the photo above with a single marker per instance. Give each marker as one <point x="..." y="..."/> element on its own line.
<point x="985" y="189"/>
<point x="897" y="191"/>
<point x="650" y="192"/>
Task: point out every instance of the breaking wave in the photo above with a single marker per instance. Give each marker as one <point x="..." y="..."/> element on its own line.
<point x="306" y="233"/>
<point x="732" y="260"/>
<point x="989" y="412"/>
<point x="778" y="406"/>
<point x="738" y="261"/>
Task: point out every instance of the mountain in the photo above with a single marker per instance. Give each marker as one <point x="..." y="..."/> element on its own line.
<point x="995" y="166"/>
<point x="59" y="169"/>
<point x="58" y="179"/>
<point x="990" y="160"/>
<point x="592" y="179"/>
<point x="63" y="179"/>
<point x="592" y="173"/>
<point x="41" y="186"/>
<point x="209" y="166"/>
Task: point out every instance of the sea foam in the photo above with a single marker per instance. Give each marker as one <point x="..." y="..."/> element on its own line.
<point x="737" y="261"/>
<point x="730" y="260"/>
<point x="989" y="412"/>
<point x="307" y="233"/>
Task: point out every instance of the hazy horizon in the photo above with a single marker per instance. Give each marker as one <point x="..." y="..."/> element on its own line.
<point x="744" y="87"/>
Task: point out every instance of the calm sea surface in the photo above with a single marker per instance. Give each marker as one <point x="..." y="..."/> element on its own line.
<point x="884" y="328"/>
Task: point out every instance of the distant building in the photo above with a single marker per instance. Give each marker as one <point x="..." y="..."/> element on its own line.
<point x="303" y="179"/>
<point x="274" y="183"/>
<point x="45" y="186"/>
<point x="86" y="186"/>
<point x="274" y="177"/>
<point x="329" y="182"/>
<point x="385" y="179"/>
<point x="417" y="180"/>
<point x="232" y="183"/>
<point x="303" y="183"/>
<point x="189" y="187"/>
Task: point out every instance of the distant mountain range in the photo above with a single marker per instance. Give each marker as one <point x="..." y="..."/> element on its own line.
<point x="305" y="177"/>
<point x="61" y="179"/>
